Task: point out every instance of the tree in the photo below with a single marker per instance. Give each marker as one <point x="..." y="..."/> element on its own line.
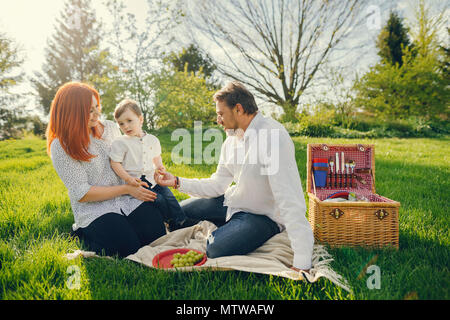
<point x="414" y="89"/>
<point x="10" y="63"/>
<point x="11" y="74"/>
<point x="418" y="88"/>
<point x="445" y="58"/>
<point x="108" y="82"/>
<point x="182" y="97"/>
<point x="275" y="47"/>
<point x="195" y="60"/>
<point x="337" y="97"/>
<point x="392" y="39"/>
<point x="73" y="52"/>
<point x="137" y="51"/>
<point x="425" y="29"/>
<point x="425" y="32"/>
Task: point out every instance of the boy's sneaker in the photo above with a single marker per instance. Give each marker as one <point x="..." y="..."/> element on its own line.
<point x="173" y="225"/>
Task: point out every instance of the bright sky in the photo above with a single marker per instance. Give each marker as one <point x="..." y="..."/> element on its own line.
<point x="31" y="23"/>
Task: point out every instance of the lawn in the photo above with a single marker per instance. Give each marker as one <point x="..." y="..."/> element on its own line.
<point x="36" y="217"/>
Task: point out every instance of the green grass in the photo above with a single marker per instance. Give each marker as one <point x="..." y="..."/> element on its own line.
<point x="35" y="221"/>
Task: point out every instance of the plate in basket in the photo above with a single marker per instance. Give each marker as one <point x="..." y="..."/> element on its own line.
<point x="162" y="259"/>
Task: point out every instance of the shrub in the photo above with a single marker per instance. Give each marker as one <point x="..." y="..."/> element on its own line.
<point x="310" y="126"/>
<point x="367" y="127"/>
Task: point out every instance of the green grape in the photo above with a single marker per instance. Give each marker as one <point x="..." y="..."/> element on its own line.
<point x="190" y="258"/>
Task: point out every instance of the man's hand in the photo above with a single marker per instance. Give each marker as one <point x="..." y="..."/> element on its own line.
<point x="298" y="270"/>
<point x="302" y="272"/>
<point x="166" y="179"/>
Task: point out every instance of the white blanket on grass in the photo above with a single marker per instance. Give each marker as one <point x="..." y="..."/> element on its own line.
<point x="274" y="257"/>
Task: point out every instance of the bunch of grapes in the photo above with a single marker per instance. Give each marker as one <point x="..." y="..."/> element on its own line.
<point x="188" y="259"/>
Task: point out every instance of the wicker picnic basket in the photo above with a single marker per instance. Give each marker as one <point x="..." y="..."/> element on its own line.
<point x="372" y="223"/>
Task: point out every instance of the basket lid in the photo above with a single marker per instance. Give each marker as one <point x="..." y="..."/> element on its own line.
<point x="363" y="156"/>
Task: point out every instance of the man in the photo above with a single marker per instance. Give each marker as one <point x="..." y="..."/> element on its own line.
<point x="266" y="198"/>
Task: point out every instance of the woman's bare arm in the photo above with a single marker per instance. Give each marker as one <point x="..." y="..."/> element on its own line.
<point x="102" y="193"/>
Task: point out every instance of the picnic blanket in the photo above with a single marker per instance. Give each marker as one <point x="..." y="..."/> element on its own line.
<point x="274" y="257"/>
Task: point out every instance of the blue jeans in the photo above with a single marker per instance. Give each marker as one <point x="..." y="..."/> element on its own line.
<point x="167" y="204"/>
<point x="242" y="234"/>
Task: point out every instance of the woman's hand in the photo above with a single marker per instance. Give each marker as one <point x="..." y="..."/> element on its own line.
<point x="166" y="179"/>
<point x="141" y="193"/>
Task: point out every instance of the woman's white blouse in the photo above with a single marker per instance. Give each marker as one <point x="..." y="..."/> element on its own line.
<point x="80" y="176"/>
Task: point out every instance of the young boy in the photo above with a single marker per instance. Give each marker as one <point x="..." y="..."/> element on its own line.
<point x="137" y="155"/>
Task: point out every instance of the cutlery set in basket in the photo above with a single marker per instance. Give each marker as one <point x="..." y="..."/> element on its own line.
<point x="366" y="218"/>
<point x="332" y="172"/>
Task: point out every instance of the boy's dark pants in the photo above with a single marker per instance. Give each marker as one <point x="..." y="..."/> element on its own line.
<point x="167" y="203"/>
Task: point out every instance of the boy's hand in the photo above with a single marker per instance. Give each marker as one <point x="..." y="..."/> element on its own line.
<point x="160" y="170"/>
<point x="135" y="182"/>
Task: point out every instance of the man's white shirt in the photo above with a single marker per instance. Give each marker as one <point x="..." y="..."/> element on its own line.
<point x="262" y="165"/>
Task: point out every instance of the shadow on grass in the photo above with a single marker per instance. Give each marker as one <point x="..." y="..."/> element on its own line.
<point x="418" y="270"/>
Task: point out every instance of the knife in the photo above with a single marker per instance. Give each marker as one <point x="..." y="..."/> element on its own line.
<point x="331" y="173"/>
<point x="343" y="169"/>
<point x="337" y="169"/>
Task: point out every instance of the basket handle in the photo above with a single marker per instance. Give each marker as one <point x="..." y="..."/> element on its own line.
<point x="381" y="214"/>
<point x="336" y="213"/>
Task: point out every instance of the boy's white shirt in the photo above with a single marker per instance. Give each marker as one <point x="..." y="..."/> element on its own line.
<point x="277" y="194"/>
<point x="136" y="155"/>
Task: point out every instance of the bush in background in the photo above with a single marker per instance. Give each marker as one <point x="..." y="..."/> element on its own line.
<point x="367" y="127"/>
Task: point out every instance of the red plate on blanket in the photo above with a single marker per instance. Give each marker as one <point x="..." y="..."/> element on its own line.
<point x="162" y="259"/>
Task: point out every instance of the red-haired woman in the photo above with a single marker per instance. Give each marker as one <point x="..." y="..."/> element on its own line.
<point x="110" y="217"/>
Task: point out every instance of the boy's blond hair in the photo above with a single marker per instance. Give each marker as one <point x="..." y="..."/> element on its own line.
<point x="127" y="104"/>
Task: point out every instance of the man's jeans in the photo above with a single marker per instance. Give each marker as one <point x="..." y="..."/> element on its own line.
<point x="242" y="234"/>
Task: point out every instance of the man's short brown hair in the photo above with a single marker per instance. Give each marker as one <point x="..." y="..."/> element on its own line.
<point x="234" y="93"/>
<point x="127" y="104"/>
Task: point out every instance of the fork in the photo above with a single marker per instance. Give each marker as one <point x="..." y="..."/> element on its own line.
<point x="352" y="166"/>
<point x="347" y="166"/>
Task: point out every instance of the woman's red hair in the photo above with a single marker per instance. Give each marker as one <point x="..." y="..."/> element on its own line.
<point x="69" y="118"/>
